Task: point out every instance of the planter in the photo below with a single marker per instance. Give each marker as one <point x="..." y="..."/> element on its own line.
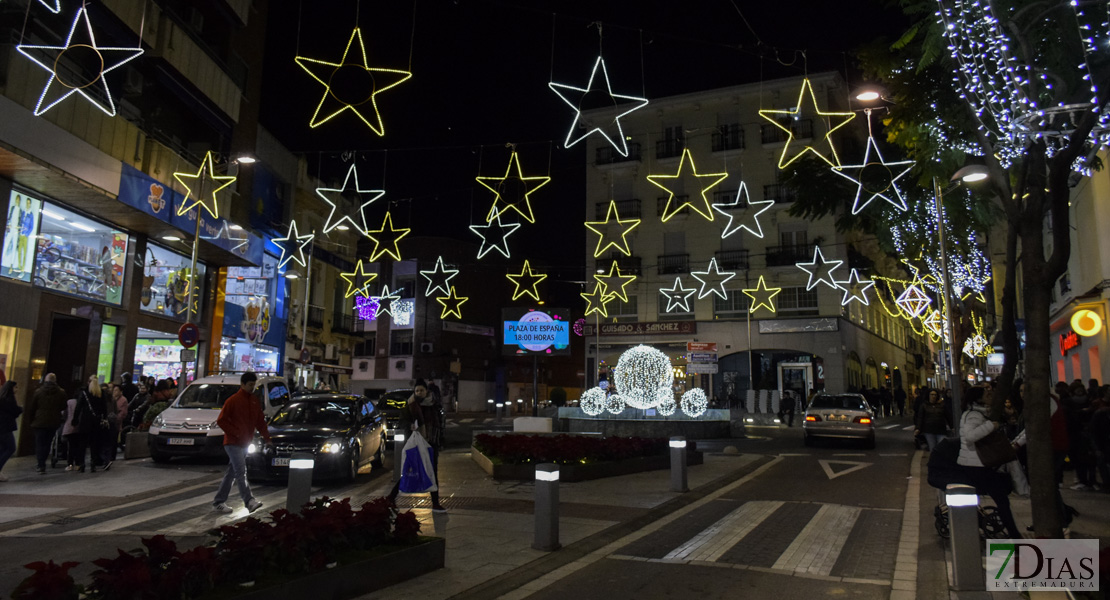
<point x="138" y="445"/>
<point x="580" y="472"/>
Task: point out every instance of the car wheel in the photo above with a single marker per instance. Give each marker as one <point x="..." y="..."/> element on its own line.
<point x="352" y="467"/>
<point x="159" y="457"/>
<point x="379" y="456"/>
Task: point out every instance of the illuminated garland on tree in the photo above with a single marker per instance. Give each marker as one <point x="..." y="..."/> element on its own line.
<point x="694" y="403"/>
<point x="640" y="372"/>
<point x="592" y="401"/>
<point x="915" y="233"/>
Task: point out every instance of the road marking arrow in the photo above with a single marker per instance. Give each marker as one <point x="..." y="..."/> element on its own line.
<point x="855" y="466"/>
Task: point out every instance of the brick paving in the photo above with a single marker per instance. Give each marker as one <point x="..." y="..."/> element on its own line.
<point x="660" y="543"/>
<point x="872" y="546"/>
<point x="763" y="546"/>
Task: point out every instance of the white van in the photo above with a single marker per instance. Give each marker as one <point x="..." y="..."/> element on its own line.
<point x="188" y="427"/>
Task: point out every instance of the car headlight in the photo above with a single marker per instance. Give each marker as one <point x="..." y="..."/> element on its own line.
<point x="331" y="447"/>
<point x="253" y="448"/>
<point x="159" y="421"/>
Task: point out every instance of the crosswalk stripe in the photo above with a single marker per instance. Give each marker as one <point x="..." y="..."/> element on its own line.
<point x="817" y="547"/>
<point x="470" y="420"/>
<point x="889" y="426"/>
<point x="716" y="539"/>
<point x="908" y="428"/>
<point x="211" y="520"/>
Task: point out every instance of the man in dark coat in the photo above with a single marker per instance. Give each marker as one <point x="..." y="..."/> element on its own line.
<point x="128" y="387"/>
<point x="44" y="414"/>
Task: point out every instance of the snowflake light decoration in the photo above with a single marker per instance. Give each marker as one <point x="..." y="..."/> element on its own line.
<point x="640" y="372"/>
<point x="575" y="96"/>
<point x="694" y="403"/>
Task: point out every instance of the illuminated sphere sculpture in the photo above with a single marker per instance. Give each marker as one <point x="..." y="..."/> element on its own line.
<point x="666" y="406"/>
<point x="694" y="403"/>
<point x="614" y="404"/>
<point x="640" y="373"/>
<point x="593" y="401"/>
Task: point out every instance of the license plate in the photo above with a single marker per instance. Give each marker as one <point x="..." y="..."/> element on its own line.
<point x="180" y="441"/>
<point x="280" y="462"/>
<point x="838" y="418"/>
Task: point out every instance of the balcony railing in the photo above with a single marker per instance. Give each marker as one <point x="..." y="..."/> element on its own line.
<point x="677" y="200"/>
<point x="670" y="264"/>
<point x="607" y="155"/>
<point x="781" y="256"/>
<point x="770" y="134"/>
<point x="315" y="316"/>
<point x="625" y="208"/>
<point x="669" y="148"/>
<point x="629" y="265"/>
<point x="343" y="323"/>
<point x="778" y="192"/>
<point x="728" y="137"/>
<point x="732" y="259"/>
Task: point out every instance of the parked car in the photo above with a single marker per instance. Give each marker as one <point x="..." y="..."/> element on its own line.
<point x="843" y="416"/>
<point x="344" y="433"/>
<point x="188" y="426"/>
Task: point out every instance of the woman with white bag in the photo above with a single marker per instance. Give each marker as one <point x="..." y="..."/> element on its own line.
<point x="421" y="419"/>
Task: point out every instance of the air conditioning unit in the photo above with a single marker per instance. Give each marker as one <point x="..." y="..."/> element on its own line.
<point x="330" y="352"/>
<point x="426" y="347"/>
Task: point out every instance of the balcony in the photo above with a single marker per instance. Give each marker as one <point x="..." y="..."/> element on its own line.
<point x="608" y="155"/>
<point x="677" y="200"/>
<point x="778" y="192"/>
<point x="769" y="134"/>
<point x="316" y="316"/>
<point x="627" y="209"/>
<point x="629" y="265"/>
<point x="728" y="137"/>
<point x="782" y="256"/>
<point x="732" y="259"/>
<point x="670" y="264"/>
<point x="343" y="323"/>
<point x="669" y="148"/>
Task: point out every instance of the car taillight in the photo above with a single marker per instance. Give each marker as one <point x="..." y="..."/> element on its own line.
<point x="863" y="420"/>
<point x="812" y="418"/>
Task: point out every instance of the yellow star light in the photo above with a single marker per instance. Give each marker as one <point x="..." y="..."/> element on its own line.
<point x="205" y="192"/>
<point x="597" y="299"/>
<point x="353" y="72"/>
<point x="386" y="237"/>
<point x="762" y="296"/>
<point x="614" y="283"/>
<point x="451" y="304"/>
<point x="799" y="112"/>
<point x="533" y="278"/>
<point x="352" y="279"/>
<point x="608" y="239"/>
<point x="517" y="187"/>
<point x="715" y="178"/>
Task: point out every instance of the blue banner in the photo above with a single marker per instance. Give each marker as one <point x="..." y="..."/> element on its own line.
<point x="141" y="191"/>
<point x="267" y="201"/>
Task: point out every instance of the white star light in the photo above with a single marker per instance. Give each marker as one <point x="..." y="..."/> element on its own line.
<point x="678" y="296"/>
<point x="897" y="201"/>
<point x="500" y="236"/>
<point x="714" y="274"/>
<point x="855" y="289"/>
<point x="750" y="220"/>
<point x="820" y="270"/>
<point x="386" y="298"/>
<point x="619" y="143"/>
<point x="439" y="278"/>
<point x="292" y="238"/>
<point x="348" y="186"/>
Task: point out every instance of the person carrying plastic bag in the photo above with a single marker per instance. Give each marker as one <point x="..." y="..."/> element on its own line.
<point x="420" y="459"/>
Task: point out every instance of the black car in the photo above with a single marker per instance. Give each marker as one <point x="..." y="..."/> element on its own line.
<point x="344" y="433"/>
<point x="391" y="404"/>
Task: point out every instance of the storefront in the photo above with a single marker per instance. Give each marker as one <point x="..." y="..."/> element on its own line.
<point x="158" y="355"/>
<point x="166" y="283"/>
<point x="1079" y="333"/>
<point x="254" y="318"/>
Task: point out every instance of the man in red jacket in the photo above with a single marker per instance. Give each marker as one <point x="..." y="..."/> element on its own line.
<point x="240" y="416"/>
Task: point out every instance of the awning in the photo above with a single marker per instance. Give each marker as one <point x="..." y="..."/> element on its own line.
<point x="328" y="368"/>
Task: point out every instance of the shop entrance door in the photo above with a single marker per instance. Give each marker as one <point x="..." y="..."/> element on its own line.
<point x="69" y="342"/>
<point x="796" y="378"/>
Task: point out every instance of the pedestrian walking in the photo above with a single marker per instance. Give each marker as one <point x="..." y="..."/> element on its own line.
<point x="90" y="417"/>
<point x="117" y="416"/>
<point x="239" y="418"/>
<point x="9" y="412"/>
<point x="44" y="415"/>
<point x="886" y="399"/>
<point x="789" y="405"/>
<point x="69" y="435"/>
<point x="932" y="420"/>
<point x="423" y="415"/>
<point x="128" y="386"/>
<point x="900" y="400"/>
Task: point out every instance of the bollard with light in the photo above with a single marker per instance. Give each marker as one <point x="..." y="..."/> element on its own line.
<point x="678" y="464"/>
<point x="546" y="508"/>
<point x="300" y="481"/>
<point x="963" y="525"/>
<point x="398" y="453"/>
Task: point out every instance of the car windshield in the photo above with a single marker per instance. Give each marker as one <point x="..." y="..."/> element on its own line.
<point x="325" y="414"/>
<point x="206" y="395"/>
<point x="841" y="402"/>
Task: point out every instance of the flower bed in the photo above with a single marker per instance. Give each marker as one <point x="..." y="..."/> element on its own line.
<point x="580" y="458"/>
<point x="252" y="557"/>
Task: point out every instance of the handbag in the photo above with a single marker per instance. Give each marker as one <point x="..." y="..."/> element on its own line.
<point x="995" y="449"/>
<point x="417" y="474"/>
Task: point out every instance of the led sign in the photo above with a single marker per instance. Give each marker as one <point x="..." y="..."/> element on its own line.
<point x="528" y="331"/>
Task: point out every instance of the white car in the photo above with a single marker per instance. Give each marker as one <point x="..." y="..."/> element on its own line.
<point x="188" y="427"/>
<point x="839" y="416"/>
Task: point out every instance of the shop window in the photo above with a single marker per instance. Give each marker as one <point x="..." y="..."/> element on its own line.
<point x="158" y="355"/>
<point x="240" y="356"/>
<point x="79" y="256"/>
<point x="17" y="255"/>
<point x="166" y="284"/>
<point x="252" y="301"/>
<point x="106" y="355"/>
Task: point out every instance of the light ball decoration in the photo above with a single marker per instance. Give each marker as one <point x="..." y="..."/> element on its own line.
<point x="614" y="404"/>
<point x="666" y="405"/>
<point x="694" y="403"/>
<point x="592" y="401"/>
<point x="639" y="374"/>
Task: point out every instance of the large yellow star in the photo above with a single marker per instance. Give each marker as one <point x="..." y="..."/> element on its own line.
<point x="451" y="304"/>
<point x="207" y="183"/>
<point x="799" y="112"/>
<point x="762" y="295"/>
<point x="533" y="278"/>
<point x="384" y="238"/>
<point x="670" y="211"/>
<point x="614" y="283"/>
<point x="603" y="229"/>
<point x="355" y="73"/>
<point x="517" y="187"/>
<point x="352" y="279"/>
<point x="596" y="300"/>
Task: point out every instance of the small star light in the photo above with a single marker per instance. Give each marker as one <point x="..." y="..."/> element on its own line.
<point x="528" y="287"/>
<point x="605" y="229"/>
<point x="451" y="304"/>
<point x="439" y="278"/>
<point x="354" y="277"/>
<point x="877" y="177"/>
<point x="54" y="6"/>
<point x="495" y="237"/>
<point x="596" y="300"/>
<point x="225" y="234"/>
<point x="678" y="296"/>
<point x="204" y="193"/>
<point x="82" y="48"/>
<point x="348" y="186"/>
<point x="694" y="403"/>
<point x="386" y="299"/>
<point x="575" y="97"/>
<point x="516" y="186"/>
<point x="801" y="112"/>
<point x="713" y="277"/>
<point x="640" y="373"/>
<point x="750" y="219"/>
<point x="913" y="301"/>
<point x="292" y="239"/>
<point x="762" y="295"/>
<point x="386" y="238"/>
<point x="713" y="180"/>
<point x="615" y="283"/>
<point x="855" y="289"/>
<point x="592" y="401"/>
<point x="377" y="80"/>
<point x="820" y="269"/>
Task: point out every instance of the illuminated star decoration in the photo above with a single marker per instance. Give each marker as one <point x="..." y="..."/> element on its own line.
<point x="820" y="270"/>
<point x="348" y="186"/>
<point x="378" y="79"/>
<point x="913" y="301"/>
<point x="54" y="7"/>
<point x="494" y="237"/>
<point x="855" y="289"/>
<point x="576" y="96"/>
<point x="669" y="210"/>
<point x="762" y="295"/>
<point x="678" y="296"/>
<point x="439" y="278"/>
<point x="385" y="239"/>
<point x="353" y="278"/>
<point x="207" y="172"/>
<point x="606" y="230"/>
<point x="451" y="304"/>
<point x="715" y="275"/>
<point x="81" y="40"/>
<point x="614" y="283"/>
<point x="225" y="234"/>
<point x="528" y="288"/>
<point x="888" y="178"/>
<point x="750" y="221"/>
<point x="799" y="112"/>
<point x="385" y="299"/>
<point x="597" y="300"/>
<point x="290" y="240"/>
<point x="508" y="183"/>
<point x="936" y="324"/>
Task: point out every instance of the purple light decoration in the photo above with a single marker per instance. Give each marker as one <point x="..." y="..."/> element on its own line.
<point x="367" y="308"/>
<point x="579" y="327"/>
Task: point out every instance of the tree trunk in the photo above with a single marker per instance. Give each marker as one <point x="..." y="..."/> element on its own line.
<point x="1009" y="324"/>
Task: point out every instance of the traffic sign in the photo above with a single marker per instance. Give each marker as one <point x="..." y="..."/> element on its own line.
<point x="702" y="357"/>
<point x="188" y="355"/>
<point x="701" y="346"/>
<point x="306" y="356"/>
<point x="188" y="335"/>
<point x="702" y="368"/>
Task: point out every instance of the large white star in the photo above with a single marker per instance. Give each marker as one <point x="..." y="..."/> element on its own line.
<point x="678" y="296"/>
<point x="887" y="176"/>
<point x="820" y="270"/>
<point x="574" y="97"/>
<point x="716" y="276"/>
<point x="499" y="234"/>
<point x="855" y="289"/>
<point x="750" y="219"/>
<point x="439" y="278"/>
<point x="348" y="186"/>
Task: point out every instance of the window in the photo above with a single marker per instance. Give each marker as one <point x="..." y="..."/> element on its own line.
<point x="733" y="307"/>
<point x="166" y="283"/>
<point x="406" y="287"/>
<point x="627" y="209"/>
<point x="619" y="309"/>
<point x="728" y="137"/>
<point x="78" y="256"/>
<point x="801" y="128"/>
<point x="797" y="300"/>
<point x="367" y="347"/>
<point x="608" y="155"/>
<point x="672" y="144"/>
<point x="400" y="342"/>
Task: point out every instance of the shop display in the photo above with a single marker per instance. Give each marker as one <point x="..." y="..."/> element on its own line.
<point x="159" y="358"/>
<point x="77" y="256"/>
<point x="239" y="356"/>
<point x="166" y="283"/>
<point x="17" y="256"/>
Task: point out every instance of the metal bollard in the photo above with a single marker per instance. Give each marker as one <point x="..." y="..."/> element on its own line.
<point x="963" y="525"/>
<point x="678" y="464"/>
<point x="547" y="508"/>
<point x="300" y="481"/>
<point x="398" y="454"/>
